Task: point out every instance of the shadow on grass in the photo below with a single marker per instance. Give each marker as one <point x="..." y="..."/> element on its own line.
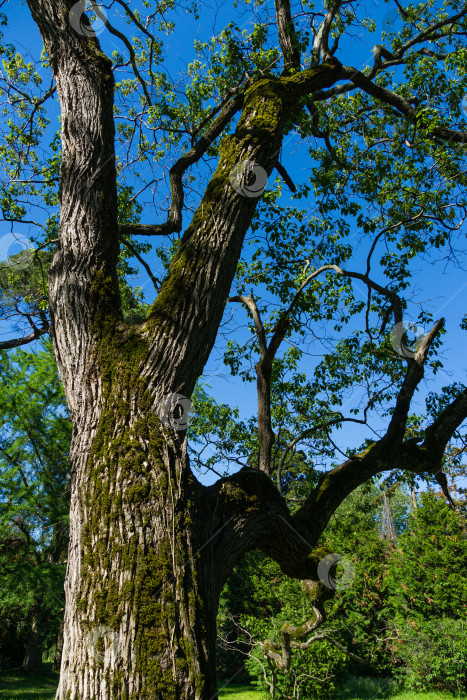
<point x="34" y="686"/>
<point x="381" y="688"/>
<point x="367" y="688"/>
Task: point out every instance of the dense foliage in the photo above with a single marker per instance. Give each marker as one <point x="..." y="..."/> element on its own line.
<point x="34" y="501"/>
<point x="403" y="614"/>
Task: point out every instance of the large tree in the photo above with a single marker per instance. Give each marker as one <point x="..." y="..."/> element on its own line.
<point x="150" y="546"/>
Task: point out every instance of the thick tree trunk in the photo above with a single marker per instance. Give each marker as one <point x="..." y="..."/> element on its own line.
<point x="149" y="547"/>
<point x="150" y="550"/>
<point x="33" y="657"/>
<point x="142" y="589"/>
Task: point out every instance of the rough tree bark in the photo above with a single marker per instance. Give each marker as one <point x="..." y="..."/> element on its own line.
<point x="58" y="649"/>
<point x="151" y="548"/>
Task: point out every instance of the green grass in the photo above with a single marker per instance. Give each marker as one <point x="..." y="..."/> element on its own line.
<point x="239" y="692"/>
<point x="29" y="686"/>
<point x="355" y="689"/>
<point x="380" y="688"/>
<point x="427" y="696"/>
<point x="42" y="686"/>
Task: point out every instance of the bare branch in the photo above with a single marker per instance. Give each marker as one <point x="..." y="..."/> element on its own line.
<point x="261" y="335"/>
<point x="129" y="46"/>
<point x="285" y="176"/>
<point x="174" y="220"/>
<point x="17" y="342"/>
<point x="268" y="352"/>
<point x="263" y="386"/>
<point x="391" y="452"/>
<point x="134" y="252"/>
<point x="427" y="34"/>
<point x="307" y="433"/>
<point x="321" y="41"/>
<point x="341" y="647"/>
<point x="283" y="323"/>
<point x="441" y="430"/>
<point x="414" y="375"/>
<point x="291" y="635"/>
<point x="281" y="654"/>
<point x="430" y="33"/>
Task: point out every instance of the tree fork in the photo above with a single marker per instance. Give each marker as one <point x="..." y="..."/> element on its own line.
<point x="140" y="571"/>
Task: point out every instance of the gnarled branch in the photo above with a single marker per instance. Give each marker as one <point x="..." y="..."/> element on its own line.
<point x="291" y="635"/>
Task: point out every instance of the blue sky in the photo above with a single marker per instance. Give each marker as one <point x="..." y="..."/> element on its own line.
<point x="442" y="288"/>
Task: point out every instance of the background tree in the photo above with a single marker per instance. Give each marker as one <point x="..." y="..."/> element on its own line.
<point x="405" y="618"/>
<point x="34" y="503"/>
<point x="150" y="547"/>
<point x="426" y="598"/>
<point x="429" y="563"/>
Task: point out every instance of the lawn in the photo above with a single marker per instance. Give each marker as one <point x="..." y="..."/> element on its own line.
<point x="375" y="688"/>
<point x="41" y="686"/>
<point x="28" y="686"/>
<point x="239" y="692"/>
<point x="355" y="689"/>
